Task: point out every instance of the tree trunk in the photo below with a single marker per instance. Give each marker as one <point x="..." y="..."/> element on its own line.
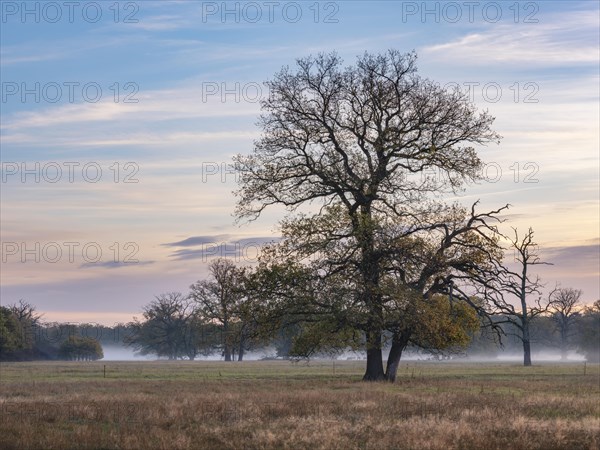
<point x="398" y="345"/>
<point x="525" y="319"/>
<point x="526" y="353"/>
<point x="374" y="358"/>
<point x="226" y="346"/>
<point x="563" y="344"/>
<point x="369" y="269"/>
<point x="526" y="345"/>
<point x="241" y="349"/>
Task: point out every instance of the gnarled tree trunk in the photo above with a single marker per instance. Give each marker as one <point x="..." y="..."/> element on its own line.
<point x="399" y="343"/>
<point x="374" y="370"/>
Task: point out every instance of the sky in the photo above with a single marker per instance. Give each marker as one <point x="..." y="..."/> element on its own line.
<point x="119" y="121"/>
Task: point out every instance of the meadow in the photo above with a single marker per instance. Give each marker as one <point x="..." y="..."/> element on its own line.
<point x="284" y="405"/>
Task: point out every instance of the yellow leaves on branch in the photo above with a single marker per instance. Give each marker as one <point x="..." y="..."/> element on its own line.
<point x="444" y="323"/>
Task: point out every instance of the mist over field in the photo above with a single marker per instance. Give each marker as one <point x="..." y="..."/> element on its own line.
<point x="538" y="356"/>
<point x="117" y="353"/>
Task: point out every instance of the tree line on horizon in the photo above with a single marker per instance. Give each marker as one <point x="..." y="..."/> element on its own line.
<point x="176" y="327"/>
<point x="25" y="337"/>
<point x="226" y="314"/>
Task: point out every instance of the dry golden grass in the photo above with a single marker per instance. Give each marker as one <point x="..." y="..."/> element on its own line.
<point x="277" y="405"/>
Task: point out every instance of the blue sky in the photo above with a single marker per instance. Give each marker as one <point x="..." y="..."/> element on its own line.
<point x="191" y="73"/>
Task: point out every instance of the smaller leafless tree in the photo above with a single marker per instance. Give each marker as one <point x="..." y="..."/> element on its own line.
<point x="517" y="285"/>
<point x="564" y="314"/>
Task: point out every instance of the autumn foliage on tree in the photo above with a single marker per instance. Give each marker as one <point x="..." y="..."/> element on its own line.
<point x="17" y="330"/>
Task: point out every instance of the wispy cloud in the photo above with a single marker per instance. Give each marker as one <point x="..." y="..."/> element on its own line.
<point x="566" y="39"/>
<point x="114" y="264"/>
<point x="60" y="49"/>
<point x="198" y="240"/>
<point x="161" y="117"/>
<point x="187" y="101"/>
<point x="586" y="257"/>
<point x="163" y="22"/>
<point x="220" y="246"/>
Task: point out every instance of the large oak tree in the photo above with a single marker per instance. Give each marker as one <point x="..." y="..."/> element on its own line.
<point x="357" y="143"/>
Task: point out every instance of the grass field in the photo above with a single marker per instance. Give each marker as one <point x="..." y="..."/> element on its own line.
<point x="277" y="404"/>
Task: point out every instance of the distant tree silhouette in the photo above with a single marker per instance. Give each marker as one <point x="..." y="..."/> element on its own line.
<point x="564" y="315"/>
<point x="171" y="328"/>
<point x="77" y="348"/>
<point x="223" y="300"/>
<point x="589" y="333"/>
